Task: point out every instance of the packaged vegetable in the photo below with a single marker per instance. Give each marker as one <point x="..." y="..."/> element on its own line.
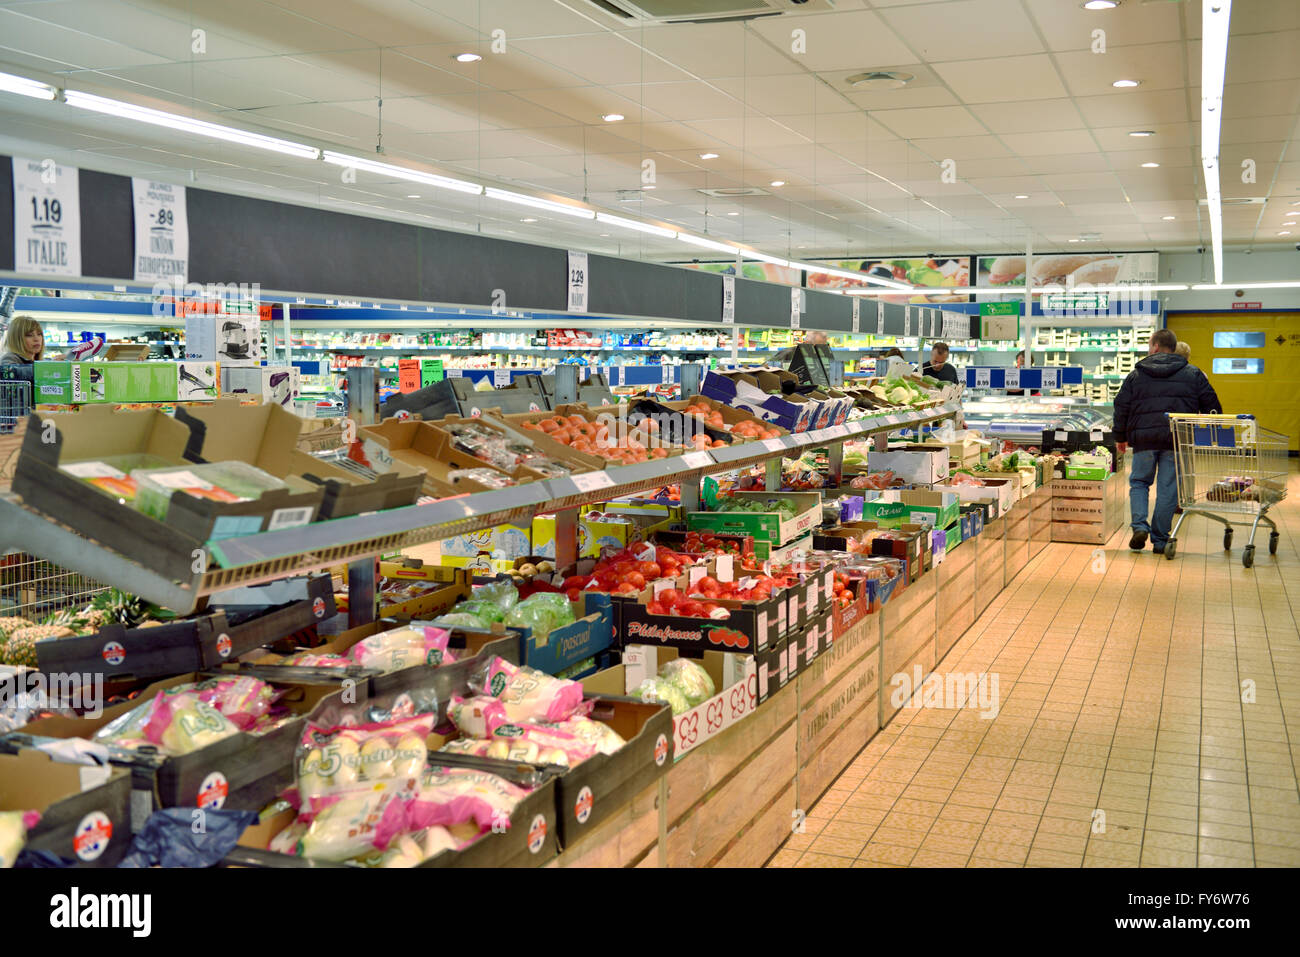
<point x="183" y="723"/>
<point x="598" y="736"/>
<point x="554" y="745"/>
<point x="477" y="717"/>
<point x="528" y="695"/>
<point x="462" y="620"/>
<point x="661" y="689"/>
<point x="305" y="659"/>
<point x="403" y="648"/>
<point x="335" y="762"/>
<point x="503" y="594"/>
<point x="451" y="796"/>
<point x="14" y="826"/>
<point x="690" y="678"/>
<point x="217" y="482"/>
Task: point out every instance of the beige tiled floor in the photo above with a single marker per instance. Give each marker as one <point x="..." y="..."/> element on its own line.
<point x="1150" y="716"/>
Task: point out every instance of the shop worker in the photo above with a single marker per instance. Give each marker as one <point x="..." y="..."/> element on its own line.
<point x="939" y="367"/>
<point x="24" y="342"/>
<point x="1163" y="382"/>
<point x="786" y="356"/>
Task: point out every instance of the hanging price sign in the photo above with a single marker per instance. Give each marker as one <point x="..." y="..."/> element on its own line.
<point x="857" y="314"/>
<point x="728" y="299"/>
<point x="880" y="317"/>
<point x="162" y="234"/>
<point x="47" y="218"/>
<point x="577" y="282"/>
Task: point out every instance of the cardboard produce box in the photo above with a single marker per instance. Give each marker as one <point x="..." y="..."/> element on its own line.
<point x="421" y="446"/>
<point x="918" y="464"/>
<point x="99" y="433"/>
<point x="1000" y="492"/>
<point x="768" y="526"/>
<point x="894" y="508"/>
<point x="760" y="392"/>
<point x="266" y="436"/>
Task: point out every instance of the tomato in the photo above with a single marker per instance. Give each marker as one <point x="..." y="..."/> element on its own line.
<point x="689" y="609"/>
<point x="656" y="608"/>
<point x="626" y="589"/>
<point x="707" y="582"/>
<point x="573" y="593"/>
<point x="635" y="579"/>
<point x="669" y="597"/>
<point x="650" y="570"/>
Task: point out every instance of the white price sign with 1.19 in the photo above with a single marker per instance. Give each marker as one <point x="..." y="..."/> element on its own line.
<point x="47" y="218"/>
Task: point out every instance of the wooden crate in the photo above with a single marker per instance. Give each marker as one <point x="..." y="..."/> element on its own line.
<point x="624" y="840"/>
<point x="1091" y="533"/>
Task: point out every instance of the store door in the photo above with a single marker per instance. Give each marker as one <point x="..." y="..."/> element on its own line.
<point x="1253" y="362"/>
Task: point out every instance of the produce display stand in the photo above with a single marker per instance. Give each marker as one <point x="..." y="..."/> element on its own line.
<point x="731" y="800"/>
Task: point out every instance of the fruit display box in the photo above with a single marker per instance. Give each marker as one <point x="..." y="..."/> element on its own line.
<point x="241" y="772"/>
<point x="750" y="628"/>
<point x="999" y="491"/>
<point x="770" y="526"/>
<point x="266" y="436"/>
<point x="919" y="464"/>
<point x="85" y="812"/>
<point x="98" y="432"/>
<point x="893" y="508"/>
<point x="760" y="393"/>
<point x="532" y="838"/>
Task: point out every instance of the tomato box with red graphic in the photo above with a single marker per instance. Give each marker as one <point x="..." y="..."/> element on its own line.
<point x="86" y="824"/>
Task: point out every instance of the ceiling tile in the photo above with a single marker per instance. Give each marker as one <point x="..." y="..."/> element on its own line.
<point x="944" y="32"/>
<point x="1004" y="80"/>
<point x="930" y="122"/>
<point x="844" y="40"/>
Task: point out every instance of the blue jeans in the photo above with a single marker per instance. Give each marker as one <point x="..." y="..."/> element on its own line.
<point x="1140" y="478"/>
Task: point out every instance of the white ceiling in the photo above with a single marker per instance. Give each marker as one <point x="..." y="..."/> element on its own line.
<point x="1009" y="90"/>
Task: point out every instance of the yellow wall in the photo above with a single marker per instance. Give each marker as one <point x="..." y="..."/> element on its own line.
<point x="1274" y="397"/>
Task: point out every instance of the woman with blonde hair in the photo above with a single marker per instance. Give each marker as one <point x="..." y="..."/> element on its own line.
<point x="1184" y="350"/>
<point x="24" y="342"/>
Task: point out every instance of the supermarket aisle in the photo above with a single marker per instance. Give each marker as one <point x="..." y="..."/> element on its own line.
<point x="1121" y="692"/>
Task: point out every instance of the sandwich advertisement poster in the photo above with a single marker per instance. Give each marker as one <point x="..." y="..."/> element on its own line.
<point x="1069" y="270"/>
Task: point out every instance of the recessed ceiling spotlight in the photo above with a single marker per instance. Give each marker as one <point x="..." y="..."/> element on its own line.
<point x="647" y="187"/>
<point x="604" y="235"/>
<point x="1150" y="165"/>
<point x="1073" y="240"/>
<point x="1022" y="195"/>
<point x="467" y="58"/>
<point x="1126" y="83"/>
<point x="528" y="219"/>
<point x="778" y="182"/>
<point x="1100" y="4"/>
<point x="733" y="214"/>
<point x="708" y="156"/>
<point x="879" y="80"/>
<point x="1167" y="218"/>
<point x="1285" y="232"/>
<point x="612" y="117"/>
<point x="1142" y="133"/>
<point x="1289" y="223"/>
<point x="412" y="195"/>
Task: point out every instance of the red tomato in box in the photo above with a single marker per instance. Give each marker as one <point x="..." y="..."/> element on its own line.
<point x="650" y="570"/>
<point x="669" y="597"/>
<point x="635" y="579"/>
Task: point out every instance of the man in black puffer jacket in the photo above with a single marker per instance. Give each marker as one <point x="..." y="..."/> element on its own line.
<point x="1163" y="382"/>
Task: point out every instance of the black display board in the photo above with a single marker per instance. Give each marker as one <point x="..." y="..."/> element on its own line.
<point x="302" y="249"/>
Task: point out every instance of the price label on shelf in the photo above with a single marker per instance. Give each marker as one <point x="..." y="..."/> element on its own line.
<point x="729" y="299"/>
<point x="983" y="378"/>
<point x="500" y="378"/>
<point x="774" y="445"/>
<point x="1013" y="379"/>
<point x="697" y="460"/>
<point x="162" y="234"/>
<point x="591" y="481"/>
<point x="577" y="282"/>
<point x="857" y="314"/>
<point x="455" y="373"/>
<point x="796" y="306"/>
<point x="47" y="218"/>
<point x="880" y="317"/>
<point x="1051" y="378"/>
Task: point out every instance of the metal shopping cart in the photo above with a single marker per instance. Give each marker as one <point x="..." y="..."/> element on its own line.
<point x="1228" y="465"/>
<point x="15" y="403"/>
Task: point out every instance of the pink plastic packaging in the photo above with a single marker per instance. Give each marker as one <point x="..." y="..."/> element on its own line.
<point x="477" y="717"/>
<point x="529" y="695"/>
<point x="404" y="648"/>
<point x="451" y="796"/>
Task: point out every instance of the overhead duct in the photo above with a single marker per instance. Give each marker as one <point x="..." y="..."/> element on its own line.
<point x="706" y="11"/>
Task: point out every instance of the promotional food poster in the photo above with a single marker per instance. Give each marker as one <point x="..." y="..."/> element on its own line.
<point x="944" y="275"/>
<point x="765" y="272"/>
<point x="1069" y="269"/>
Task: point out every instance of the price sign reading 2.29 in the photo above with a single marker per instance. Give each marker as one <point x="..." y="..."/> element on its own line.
<point x="577" y="282"/>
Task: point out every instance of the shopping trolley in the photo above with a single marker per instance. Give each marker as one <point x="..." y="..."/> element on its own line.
<point x="15" y="403"/>
<point x="1228" y="465"/>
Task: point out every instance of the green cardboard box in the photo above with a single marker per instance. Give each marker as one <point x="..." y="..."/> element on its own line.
<point x="52" y="383"/>
<point x="765" y="526"/>
<point x="123" y="382"/>
<point x="911" y="506"/>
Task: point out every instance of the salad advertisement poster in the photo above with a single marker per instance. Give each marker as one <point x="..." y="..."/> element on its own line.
<point x="765" y="272"/>
<point x="945" y="275"/>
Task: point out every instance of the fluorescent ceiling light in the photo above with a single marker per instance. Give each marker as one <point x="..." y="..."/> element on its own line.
<point x="1167" y="218"/>
<point x="175" y="121"/>
<point x="563" y="208"/>
<point x="763" y="257"/>
<point x="1288" y="224"/>
<point x="467" y="58"/>
<point x="777" y="182"/>
<point x="1215" y="17"/>
<point x="25" y="87"/>
<point x="1100" y="4"/>
<point x="400" y="172"/>
<point x="1142" y="133"/>
<point x="1285" y="232"/>
<point x="529" y="219"/>
<point x="612" y="117"/>
<point x="708" y="156"/>
<point x="1280" y="284"/>
<point x="709" y="243"/>
<point x="1150" y="165"/>
<point x="1022" y="195"/>
<point x="1126" y="83"/>
<point x="636" y="225"/>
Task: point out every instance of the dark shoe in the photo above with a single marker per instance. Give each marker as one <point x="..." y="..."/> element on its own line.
<point x="1158" y="549"/>
<point x="1138" y="541"/>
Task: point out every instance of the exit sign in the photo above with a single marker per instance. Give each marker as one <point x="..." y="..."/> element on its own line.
<point x="1247" y="305"/>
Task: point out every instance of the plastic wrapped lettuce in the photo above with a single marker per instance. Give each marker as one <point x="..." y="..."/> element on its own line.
<point x="486" y="610"/>
<point x="463" y="620"/>
<point x="503" y="594"/>
<point x="690" y="678"/>
<point x="542" y="612"/>
<point x="661" y="689"/>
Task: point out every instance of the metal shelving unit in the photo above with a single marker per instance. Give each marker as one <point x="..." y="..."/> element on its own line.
<point x="269" y="556"/>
